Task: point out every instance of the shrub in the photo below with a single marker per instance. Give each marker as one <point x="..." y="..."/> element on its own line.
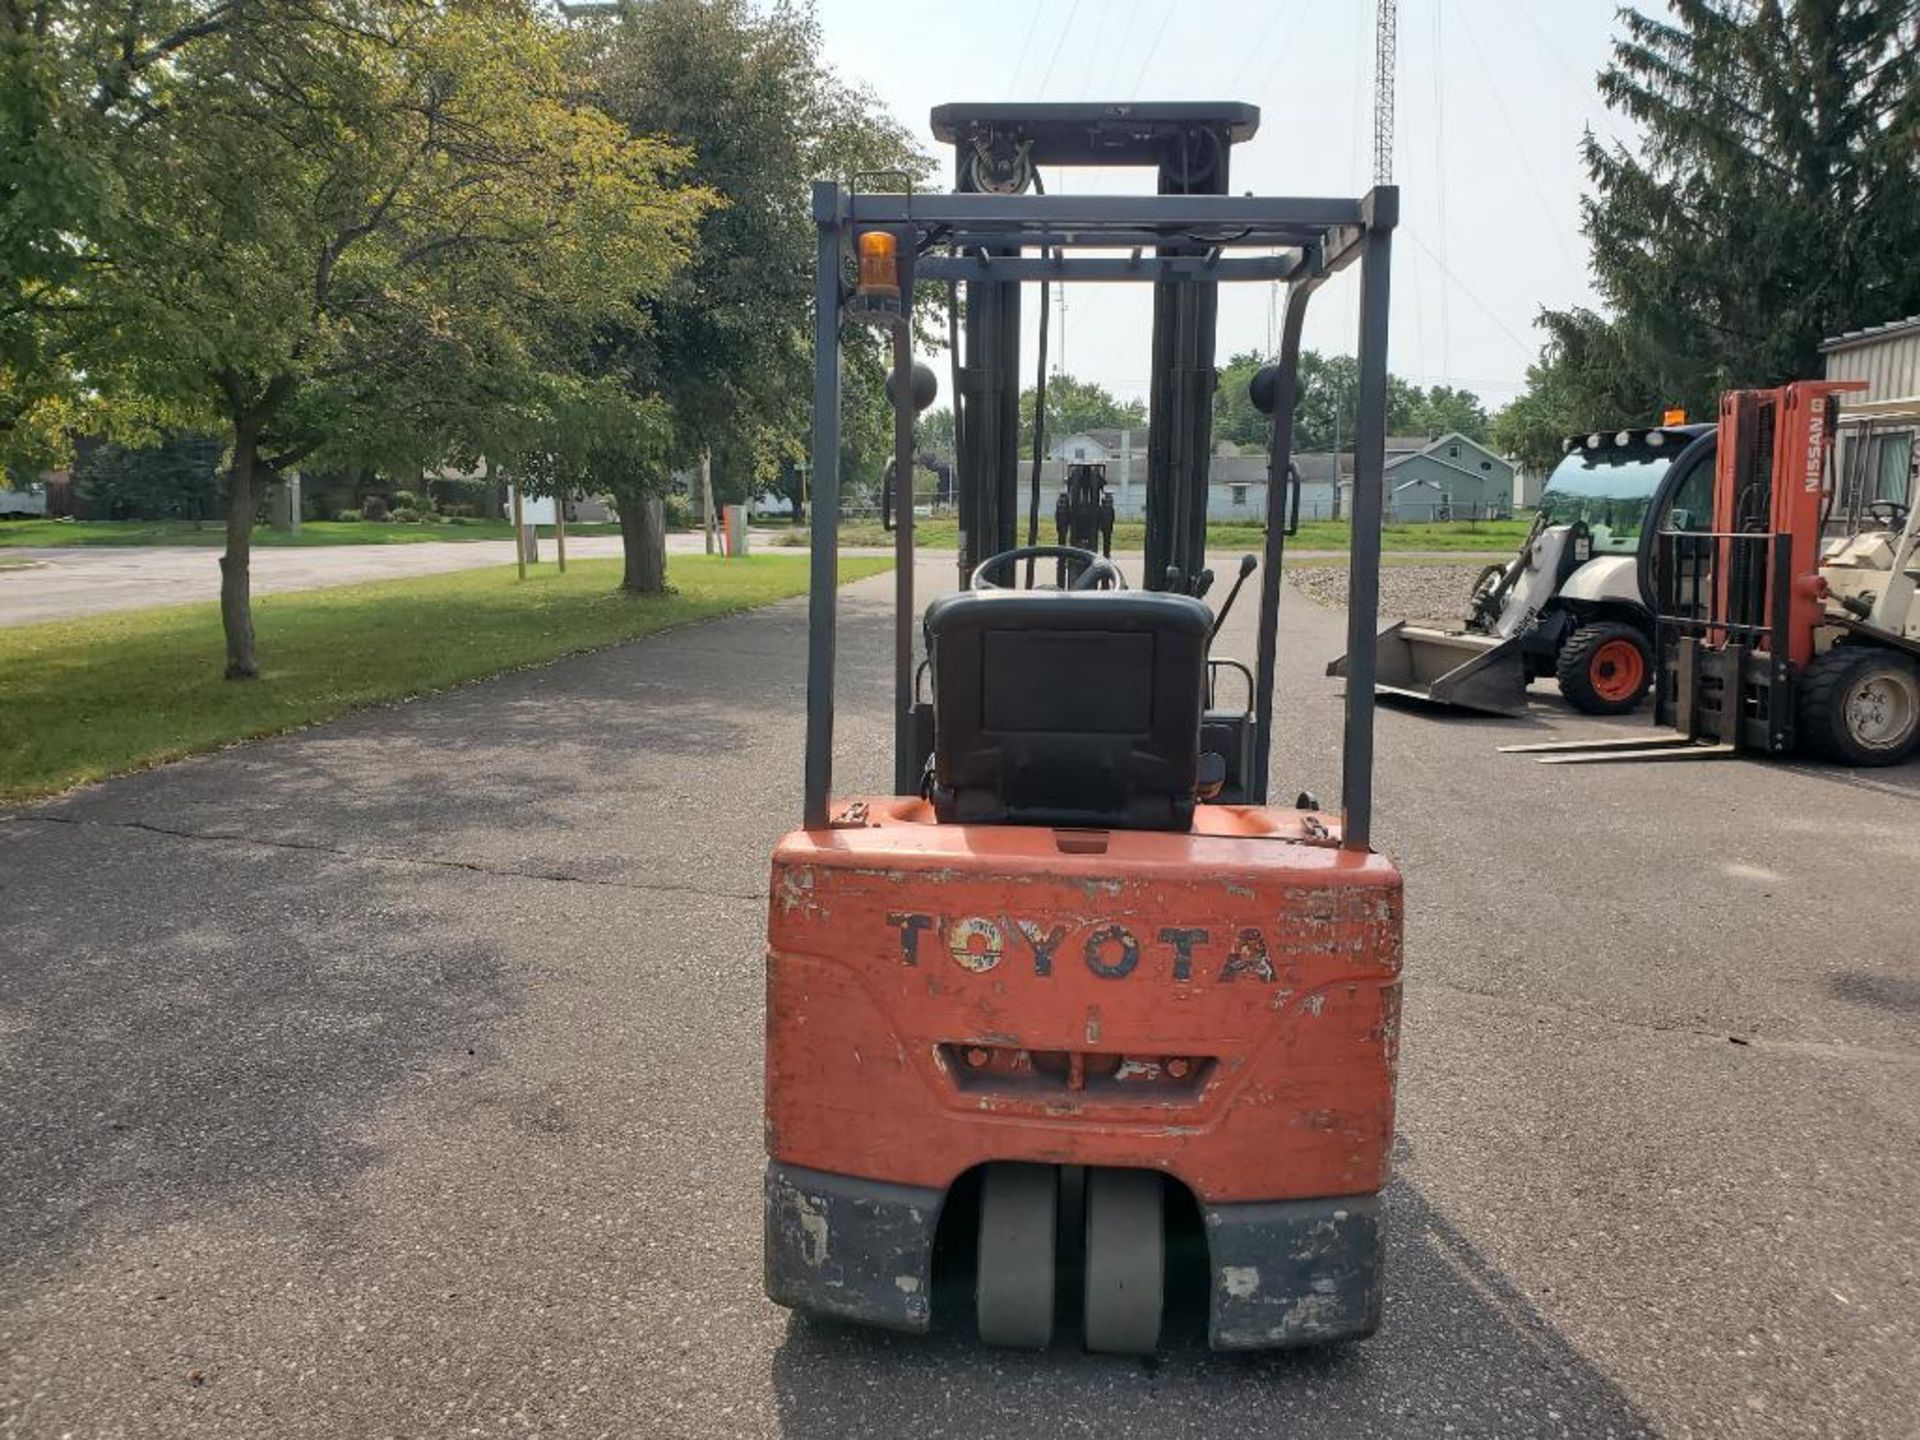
<point x="404" y="514"/>
<point x="456" y="520"/>
<point x="433" y="519"/>
<point x="460" y="510"/>
<point x="448" y="492"/>
<point x="678" y="511"/>
<point x="350" y="517"/>
<point x="407" y="500"/>
<point x="376" y="507"/>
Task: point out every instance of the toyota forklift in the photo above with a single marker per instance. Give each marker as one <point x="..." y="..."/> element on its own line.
<point x="1077" y="973"/>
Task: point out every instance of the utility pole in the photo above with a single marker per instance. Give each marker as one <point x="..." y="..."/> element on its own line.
<point x="1386" y="45"/>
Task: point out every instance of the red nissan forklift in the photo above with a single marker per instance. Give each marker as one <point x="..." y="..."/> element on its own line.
<point x="1077" y="973"/>
<point x="1769" y="644"/>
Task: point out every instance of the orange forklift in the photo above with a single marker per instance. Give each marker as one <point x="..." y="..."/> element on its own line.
<point x="1076" y="977"/>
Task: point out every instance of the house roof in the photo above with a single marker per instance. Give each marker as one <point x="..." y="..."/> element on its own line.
<point x="1870" y="334"/>
<point x="1452" y="437"/>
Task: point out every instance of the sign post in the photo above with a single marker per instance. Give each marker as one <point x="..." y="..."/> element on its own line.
<point x="519" y="532"/>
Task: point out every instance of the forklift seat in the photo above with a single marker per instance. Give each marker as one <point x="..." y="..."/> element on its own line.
<point x="1067" y="707"/>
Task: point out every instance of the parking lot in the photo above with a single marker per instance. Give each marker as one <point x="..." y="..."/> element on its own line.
<point x="401" y="1076"/>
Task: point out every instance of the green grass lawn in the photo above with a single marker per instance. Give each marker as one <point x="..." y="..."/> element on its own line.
<point x="23" y="533"/>
<point x="94" y="697"/>
<point x="944" y="534"/>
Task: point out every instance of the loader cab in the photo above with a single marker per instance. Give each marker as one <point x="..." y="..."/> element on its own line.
<point x="1617" y="485"/>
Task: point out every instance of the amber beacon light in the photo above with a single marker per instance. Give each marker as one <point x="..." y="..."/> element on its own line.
<point x="879" y="252"/>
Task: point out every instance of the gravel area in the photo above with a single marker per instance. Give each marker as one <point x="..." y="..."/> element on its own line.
<point x="1434" y="593"/>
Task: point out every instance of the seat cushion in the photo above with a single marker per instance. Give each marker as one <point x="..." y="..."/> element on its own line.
<point x="1067" y="707"/>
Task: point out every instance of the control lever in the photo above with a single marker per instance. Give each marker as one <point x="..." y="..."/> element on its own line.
<point x="1247" y="566"/>
<point x="1202" y="583"/>
<point x="1174" y="579"/>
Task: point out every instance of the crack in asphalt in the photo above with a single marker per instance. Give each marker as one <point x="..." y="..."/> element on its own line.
<point x="1825" y="1048"/>
<point x="376" y="858"/>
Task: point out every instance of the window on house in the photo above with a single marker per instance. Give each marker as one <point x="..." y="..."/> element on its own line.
<point x="1079" y="452"/>
<point x="1486" y="465"/>
<point x="1453" y="452"/>
<point x="1239" y="494"/>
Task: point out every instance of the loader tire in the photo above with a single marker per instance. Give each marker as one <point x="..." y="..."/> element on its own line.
<point x="1605" y="668"/>
<point x="1860" y="705"/>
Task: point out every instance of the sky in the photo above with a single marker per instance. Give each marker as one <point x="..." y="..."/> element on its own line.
<point x="1493" y="97"/>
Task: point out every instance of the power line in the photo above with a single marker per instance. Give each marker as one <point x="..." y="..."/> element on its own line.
<point x="1513" y="131"/>
<point x="1467" y="290"/>
<point x="1247" y="57"/>
<point x="1121" y="36"/>
<point x="1154" y="49"/>
<point x="1058" y="46"/>
<point x="1033" y="24"/>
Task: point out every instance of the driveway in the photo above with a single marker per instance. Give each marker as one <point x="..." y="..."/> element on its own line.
<point x="401" y="1077"/>
<point x="56" y="583"/>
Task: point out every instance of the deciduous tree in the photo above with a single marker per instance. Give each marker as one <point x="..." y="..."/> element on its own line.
<point x="727" y="346"/>
<point x="348" y="230"/>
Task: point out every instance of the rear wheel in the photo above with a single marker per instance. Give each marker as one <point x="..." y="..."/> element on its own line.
<point x="1013" y="1287"/>
<point x="1126" y="1260"/>
<point x="1860" y="705"/>
<point x="1605" y="668"/>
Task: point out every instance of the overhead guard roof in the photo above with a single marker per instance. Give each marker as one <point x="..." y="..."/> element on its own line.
<point x="1079" y="134"/>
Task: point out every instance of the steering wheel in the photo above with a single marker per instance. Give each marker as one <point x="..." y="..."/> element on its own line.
<point x="1894" y="512"/>
<point x="1097" y="569"/>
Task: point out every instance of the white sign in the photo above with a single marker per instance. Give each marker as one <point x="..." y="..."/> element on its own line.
<point x="536" y="510"/>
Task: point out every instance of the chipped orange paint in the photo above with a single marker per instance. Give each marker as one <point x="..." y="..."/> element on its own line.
<point x="1252" y="946"/>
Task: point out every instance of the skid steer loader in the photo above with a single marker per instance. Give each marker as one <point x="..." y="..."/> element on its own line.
<point x="1574" y="602"/>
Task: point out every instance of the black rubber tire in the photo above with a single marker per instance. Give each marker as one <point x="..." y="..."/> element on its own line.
<point x="1126" y="1277"/>
<point x="1829" y="716"/>
<point x="1014" y="1275"/>
<point x="1574" y="668"/>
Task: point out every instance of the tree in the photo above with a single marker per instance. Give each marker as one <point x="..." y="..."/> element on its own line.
<point x="1583" y="379"/>
<point x="1329" y="406"/>
<point x="1772" y="200"/>
<point x="727" y="347"/>
<point x="77" y="77"/>
<point x="1076" y="406"/>
<point x="176" y="479"/>
<point x="375" y="215"/>
<point x="1445" y="410"/>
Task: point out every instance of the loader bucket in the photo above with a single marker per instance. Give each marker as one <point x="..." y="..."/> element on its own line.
<point x="1471" y="672"/>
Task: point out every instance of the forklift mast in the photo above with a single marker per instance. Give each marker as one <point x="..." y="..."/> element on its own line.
<point x="999" y="149"/>
<point x="1775" y="448"/>
<point x="1739" y="607"/>
<point x="992" y="236"/>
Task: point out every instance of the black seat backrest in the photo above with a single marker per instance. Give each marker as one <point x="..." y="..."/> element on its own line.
<point x="1067" y="708"/>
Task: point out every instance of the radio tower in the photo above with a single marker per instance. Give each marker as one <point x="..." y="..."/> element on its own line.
<point x="1386" y="43"/>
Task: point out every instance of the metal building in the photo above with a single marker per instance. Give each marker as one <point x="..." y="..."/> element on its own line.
<point x="1877" y="451"/>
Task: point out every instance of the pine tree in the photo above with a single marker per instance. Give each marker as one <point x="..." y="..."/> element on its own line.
<point x="1773" y="200"/>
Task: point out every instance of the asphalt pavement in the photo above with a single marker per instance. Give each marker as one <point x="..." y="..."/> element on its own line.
<point x="401" y="1077"/>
